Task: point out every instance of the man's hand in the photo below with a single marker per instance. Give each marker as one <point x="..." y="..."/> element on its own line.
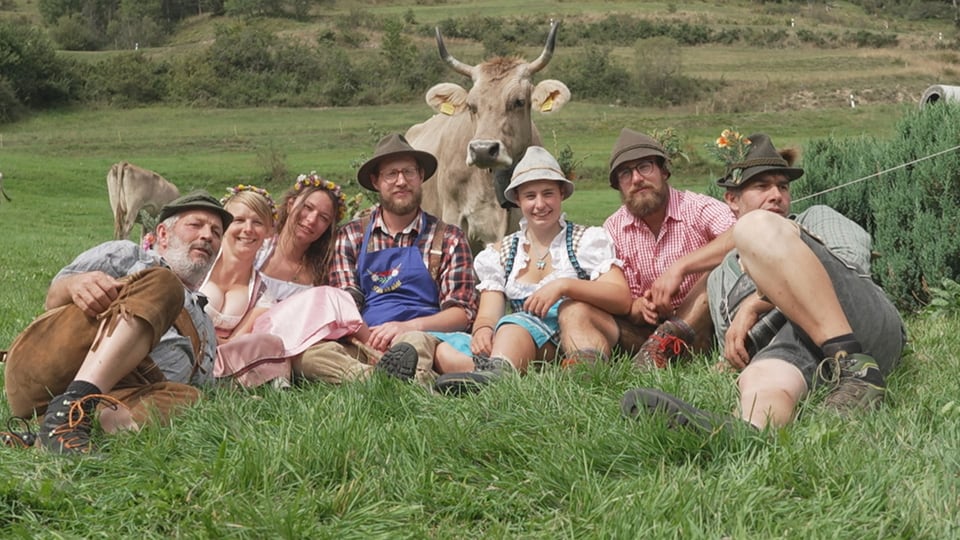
<point x="735" y="340"/>
<point x="381" y="337"/>
<point x="643" y="311"/>
<point x="664" y="288"/>
<point x="93" y="292"/>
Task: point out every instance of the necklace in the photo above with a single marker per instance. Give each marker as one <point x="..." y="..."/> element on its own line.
<point x="541" y="263"/>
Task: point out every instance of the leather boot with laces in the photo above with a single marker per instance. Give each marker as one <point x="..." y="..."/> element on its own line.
<point x="68" y="423"/>
<point x="859" y="382"/>
<point x="486" y="371"/>
<point x="667" y="343"/>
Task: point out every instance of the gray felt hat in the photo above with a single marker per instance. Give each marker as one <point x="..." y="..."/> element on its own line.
<point x="537" y="164"/>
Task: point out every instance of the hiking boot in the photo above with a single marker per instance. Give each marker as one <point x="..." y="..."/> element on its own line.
<point x="680" y="414"/>
<point x="399" y="361"/>
<point x="69" y="420"/>
<point x="487" y="370"/>
<point x="15" y="438"/>
<point x="664" y="345"/>
<point x="859" y="383"/>
<point x="583" y="357"/>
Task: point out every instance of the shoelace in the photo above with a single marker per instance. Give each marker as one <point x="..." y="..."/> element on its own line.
<point x="828" y="370"/>
<point x="68" y="435"/>
<point x="24" y="437"/>
<point x="667" y="343"/>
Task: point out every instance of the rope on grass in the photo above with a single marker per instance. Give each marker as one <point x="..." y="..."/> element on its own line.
<point x="874" y="175"/>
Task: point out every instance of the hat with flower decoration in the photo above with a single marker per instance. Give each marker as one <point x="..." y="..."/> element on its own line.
<point x="747" y="157"/>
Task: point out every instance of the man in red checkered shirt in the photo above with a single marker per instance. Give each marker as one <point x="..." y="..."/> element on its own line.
<point x="656" y="226"/>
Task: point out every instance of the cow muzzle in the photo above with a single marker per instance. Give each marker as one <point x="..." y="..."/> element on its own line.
<point x="487" y="154"/>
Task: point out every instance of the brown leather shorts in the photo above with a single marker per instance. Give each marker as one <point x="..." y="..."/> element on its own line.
<point x="46" y="356"/>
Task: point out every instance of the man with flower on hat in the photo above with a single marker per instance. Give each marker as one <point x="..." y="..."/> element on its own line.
<point x="832" y="323"/>
<point x="408" y="272"/>
<point x="124" y="329"/>
<point x="654" y="230"/>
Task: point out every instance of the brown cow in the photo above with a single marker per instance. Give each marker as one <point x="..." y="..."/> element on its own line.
<point x="481" y="132"/>
<point x="133" y="189"/>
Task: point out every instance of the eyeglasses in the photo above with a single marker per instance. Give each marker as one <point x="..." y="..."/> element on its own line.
<point x="393" y="175"/>
<point x="644" y="168"/>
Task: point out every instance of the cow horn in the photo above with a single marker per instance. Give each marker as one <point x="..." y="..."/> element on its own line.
<point x="457" y="65"/>
<point x="547" y="53"/>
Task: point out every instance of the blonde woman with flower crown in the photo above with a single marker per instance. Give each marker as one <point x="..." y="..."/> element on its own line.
<point x="296" y="308"/>
<point x="233" y="286"/>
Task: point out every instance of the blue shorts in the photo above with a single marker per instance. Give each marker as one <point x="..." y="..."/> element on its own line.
<point x="458" y="340"/>
<point x="541" y="331"/>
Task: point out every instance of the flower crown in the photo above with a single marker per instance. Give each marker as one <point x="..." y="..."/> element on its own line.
<point x="315" y="180"/>
<point x="731" y="148"/>
<point x="231" y="191"/>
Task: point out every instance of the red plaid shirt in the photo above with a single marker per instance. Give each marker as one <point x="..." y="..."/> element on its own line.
<point x="692" y="221"/>
<point x="456" y="282"/>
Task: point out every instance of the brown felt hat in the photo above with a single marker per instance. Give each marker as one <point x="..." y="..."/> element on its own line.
<point x="195" y="200"/>
<point x="391" y="146"/>
<point x="761" y="157"/>
<point x="633" y="145"/>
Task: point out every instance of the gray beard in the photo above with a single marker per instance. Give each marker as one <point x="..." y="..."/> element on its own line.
<point x="177" y="256"/>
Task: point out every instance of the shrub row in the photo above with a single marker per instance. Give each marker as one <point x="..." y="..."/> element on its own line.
<point x="912" y="208"/>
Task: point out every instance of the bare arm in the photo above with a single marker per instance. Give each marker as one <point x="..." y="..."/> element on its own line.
<point x="609" y="292"/>
<point x="493" y="305"/>
<point x="697" y="261"/>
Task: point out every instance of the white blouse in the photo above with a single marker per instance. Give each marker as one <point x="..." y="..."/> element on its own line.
<point x="275" y="289"/>
<point x="595" y="254"/>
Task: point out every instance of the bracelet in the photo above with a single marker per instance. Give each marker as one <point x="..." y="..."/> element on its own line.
<point x="475" y="330"/>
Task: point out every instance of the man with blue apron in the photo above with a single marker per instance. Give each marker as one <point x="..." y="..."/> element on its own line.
<point x="409" y="273"/>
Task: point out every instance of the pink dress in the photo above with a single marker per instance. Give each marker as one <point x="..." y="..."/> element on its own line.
<point x="284" y="331"/>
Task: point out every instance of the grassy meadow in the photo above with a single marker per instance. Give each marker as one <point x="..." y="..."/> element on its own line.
<point x="543" y="456"/>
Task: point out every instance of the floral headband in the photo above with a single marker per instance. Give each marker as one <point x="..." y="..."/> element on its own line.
<point x="231" y="191"/>
<point x="315" y="180"/>
<point x="731" y="148"/>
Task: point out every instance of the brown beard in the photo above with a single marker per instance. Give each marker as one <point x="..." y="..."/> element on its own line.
<point x="402" y="209"/>
<point x="643" y="205"/>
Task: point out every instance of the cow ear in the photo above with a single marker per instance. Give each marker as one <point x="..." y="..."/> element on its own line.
<point x="447" y="98"/>
<point x="549" y="96"/>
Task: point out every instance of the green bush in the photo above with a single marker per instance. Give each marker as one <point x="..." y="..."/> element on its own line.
<point x="128" y="79"/>
<point x="30" y="65"/>
<point x="10" y="107"/>
<point x="913" y="212"/>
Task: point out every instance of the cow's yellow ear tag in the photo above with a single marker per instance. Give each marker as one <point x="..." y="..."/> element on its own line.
<point x="547" y="105"/>
<point x="447" y="108"/>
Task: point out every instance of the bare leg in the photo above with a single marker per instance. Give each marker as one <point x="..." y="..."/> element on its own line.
<point x="583" y="326"/>
<point x="449" y="360"/>
<point x="789" y="274"/>
<point x="769" y="393"/>
<point x="513" y="343"/>
<point x="116" y="355"/>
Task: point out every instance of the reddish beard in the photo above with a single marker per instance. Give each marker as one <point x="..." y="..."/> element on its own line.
<point x="642" y="204"/>
<point x="394" y="206"/>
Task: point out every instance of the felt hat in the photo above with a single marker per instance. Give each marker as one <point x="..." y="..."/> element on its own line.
<point x="391" y="146"/>
<point x="631" y="146"/>
<point x="537" y="164"/>
<point x="761" y="157"/>
<point x="195" y="200"/>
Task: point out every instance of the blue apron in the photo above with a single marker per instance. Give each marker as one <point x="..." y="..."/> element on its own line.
<point x="395" y="282"/>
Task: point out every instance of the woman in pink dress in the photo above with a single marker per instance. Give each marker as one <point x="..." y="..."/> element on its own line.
<point x="296" y="309"/>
